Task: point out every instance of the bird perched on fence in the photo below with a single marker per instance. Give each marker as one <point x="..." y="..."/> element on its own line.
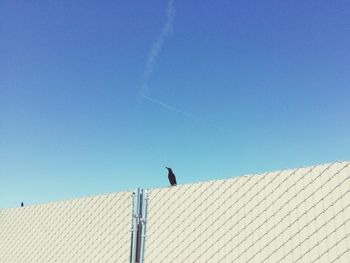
<point x="171" y="177"/>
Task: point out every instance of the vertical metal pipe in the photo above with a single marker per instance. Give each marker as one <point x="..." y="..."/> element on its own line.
<point x="135" y="222"/>
<point x="138" y="230"/>
<point x="139" y="226"/>
<point x="144" y="223"/>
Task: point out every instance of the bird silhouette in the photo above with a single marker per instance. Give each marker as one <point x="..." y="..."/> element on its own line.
<point x="22" y="204"/>
<point x="171" y="177"/>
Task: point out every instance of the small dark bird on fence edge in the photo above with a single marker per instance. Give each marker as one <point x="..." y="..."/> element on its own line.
<point x="22" y="204"/>
<point x="171" y="177"/>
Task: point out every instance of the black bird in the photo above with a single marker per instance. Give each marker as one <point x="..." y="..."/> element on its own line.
<point x="171" y="176"/>
<point x="22" y="204"/>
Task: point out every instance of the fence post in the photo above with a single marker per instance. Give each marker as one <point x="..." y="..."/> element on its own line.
<point x="143" y="223"/>
<point x="138" y="228"/>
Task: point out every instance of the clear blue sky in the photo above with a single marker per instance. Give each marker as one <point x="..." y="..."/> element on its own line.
<point x="267" y="82"/>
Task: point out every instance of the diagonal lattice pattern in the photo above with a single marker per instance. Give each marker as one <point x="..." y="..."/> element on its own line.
<point x="300" y="215"/>
<point x="93" y="229"/>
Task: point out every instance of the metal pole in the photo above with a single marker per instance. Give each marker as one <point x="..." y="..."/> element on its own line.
<point x="138" y="229"/>
<point x="143" y="223"/>
<point x="139" y="226"/>
<point x="134" y="227"/>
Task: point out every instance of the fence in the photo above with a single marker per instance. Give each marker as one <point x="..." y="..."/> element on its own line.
<point x="93" y="229"/>
<point x="300" y="215"/>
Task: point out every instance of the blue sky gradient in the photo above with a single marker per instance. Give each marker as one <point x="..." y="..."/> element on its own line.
<point x="272" y="75"/>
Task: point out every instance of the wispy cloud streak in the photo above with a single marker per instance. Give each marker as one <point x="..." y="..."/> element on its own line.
<point x="157" y="46"/>
<point x="193" y="117"/>
<point x="151" y="61"/>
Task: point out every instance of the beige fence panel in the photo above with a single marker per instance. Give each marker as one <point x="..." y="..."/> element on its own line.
<point x="300" y="215"/>
<point x="93" y="229"/>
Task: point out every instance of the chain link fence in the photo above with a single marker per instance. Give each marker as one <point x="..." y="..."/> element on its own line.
<point x="299" y="215"/>
<point x="93" y="229"/>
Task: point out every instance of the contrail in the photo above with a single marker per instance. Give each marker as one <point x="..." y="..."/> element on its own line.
<point x="157" y="46"/>
<point x="183" y="113"/>
<point x="152" y="57"/>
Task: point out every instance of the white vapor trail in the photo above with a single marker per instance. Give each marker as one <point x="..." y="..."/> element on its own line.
<point x="151" y="61"/>
<point x="158" y="45"/>
<point x="182" y="112"/>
